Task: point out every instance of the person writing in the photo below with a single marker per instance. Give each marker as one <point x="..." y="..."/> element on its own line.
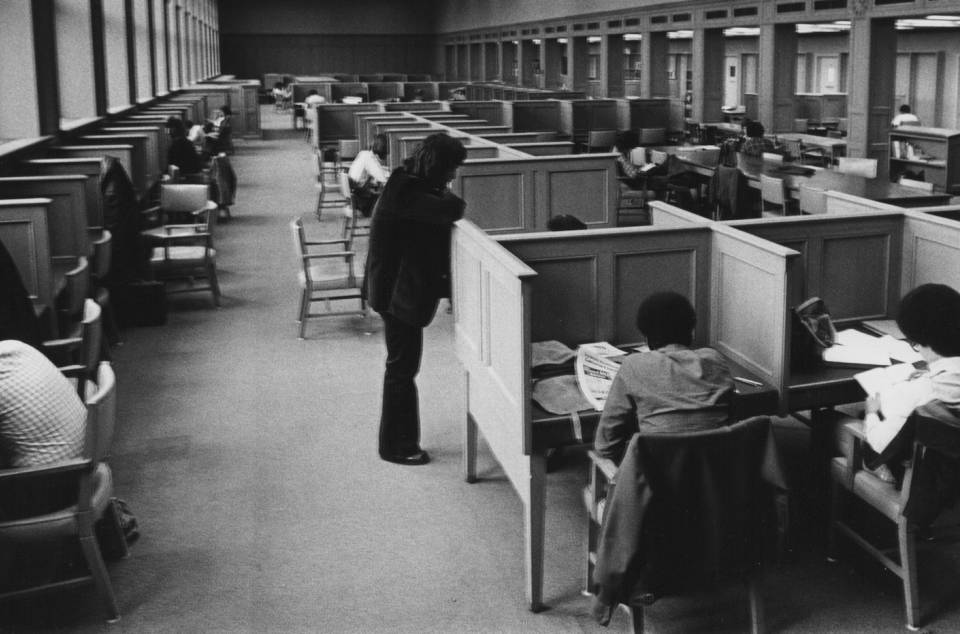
<point x="756" y="143"/>
<point x="929" y="317"/>
<point x="368" y="174"/>
<point x="670" y="389"/>
<point x="181" y="151"/>
<point x="905" y="117"/>
<point x="407" y="272"/>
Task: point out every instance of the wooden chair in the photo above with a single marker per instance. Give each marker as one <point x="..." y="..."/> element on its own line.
<point x="324" y="277"/>
<point x="100" y="268"/>
<point x="356" y="224"/>
<point x="659" y="528"/>
<point x="866" y="167"/>
<point x="910" y="182"/>
<point x="327" y="197"/>
<point x="71" y="298"/>
<point x="773" y="197"/>
<point x="185" y="252"/>
<point x="89" y="483"/>
<point x="78" y="356"/>
<point x="932" y="436"/>
<point x="599" y="141"/>
<point x="812" y="200"/>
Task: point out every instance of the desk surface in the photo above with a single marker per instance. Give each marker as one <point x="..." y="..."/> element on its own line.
<point x="558" y="430"/>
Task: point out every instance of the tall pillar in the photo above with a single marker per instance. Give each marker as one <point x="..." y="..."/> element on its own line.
<point x="873" y="55"/>
<point x="529" y="54"/>
<point x="553" y="52"/>
<point x="491" y="61"/>
<point x="778" y="76"/>
<point x="509" y="63"/>
<point x="578" y="54"/>
<point x="707" y="59"/>
<point x="653" y="65"/>
<point x="611" y="65"/>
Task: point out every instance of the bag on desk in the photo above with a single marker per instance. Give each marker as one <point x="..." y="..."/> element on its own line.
<point x="812" y="330"/>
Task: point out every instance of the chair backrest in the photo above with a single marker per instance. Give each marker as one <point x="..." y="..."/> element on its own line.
<point x="102" y="255"/>
<point x="603" y="139"/>
<point x="652" y="136"/>
<point x="910" y="182"/>
<point x="91" y="335"/>
<point x="772" y="190"/>
<point x="181" y="197"/>
<point x="77" y="286"/>
<point x="801" y="125"/>
<point x="794" y="148"/>
<point x="708" y="495"/>
<point x="813" y="200"/>
<point x="659" y="157"/>
<point x="348" y="149"/>
<point x="101" y="415"/>
<point x="859" y="166"/>
<point x="638" y="155"/>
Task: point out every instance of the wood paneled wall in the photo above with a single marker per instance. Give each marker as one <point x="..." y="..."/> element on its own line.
<point x="252" y="55"/>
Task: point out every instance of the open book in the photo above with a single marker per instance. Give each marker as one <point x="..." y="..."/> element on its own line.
<point x="597" y="364"/>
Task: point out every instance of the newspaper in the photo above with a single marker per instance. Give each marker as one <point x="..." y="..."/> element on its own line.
<point x="597" y="365"/>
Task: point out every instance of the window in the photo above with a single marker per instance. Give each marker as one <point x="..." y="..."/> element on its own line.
<point x="115" y="46"/>
<point x="593" y="67"/>
<point x="141" y="29"/>
<point x="75" y="62"/>
<point x="18" y="73"/>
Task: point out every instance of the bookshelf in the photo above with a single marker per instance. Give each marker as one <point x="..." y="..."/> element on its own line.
<point x="932" y="152"/>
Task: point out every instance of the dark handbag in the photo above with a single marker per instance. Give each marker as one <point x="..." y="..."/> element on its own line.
<point x="812" y="330"/>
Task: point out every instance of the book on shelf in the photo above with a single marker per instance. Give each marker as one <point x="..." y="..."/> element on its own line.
<point x="597" y="364"/>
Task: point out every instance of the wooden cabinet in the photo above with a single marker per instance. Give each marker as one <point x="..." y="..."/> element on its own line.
<point x="928" y="154"/>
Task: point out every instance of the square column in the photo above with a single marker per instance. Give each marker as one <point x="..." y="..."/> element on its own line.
<point x="551" y="54"/>
<point x="707" y="59"/>
<point x="778" y="76"/>
<point x="873" y="53"/>
<point x="529" y="59"/>
<point x="654" y="50"/>
<point x="611" y="65"/>
<point x="578" y="53"/>
<point x="491" y="61"/>
<point x="508" y="63"/>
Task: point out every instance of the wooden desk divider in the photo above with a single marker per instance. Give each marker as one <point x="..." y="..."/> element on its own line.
<point x="156" y="149"/>
<point x="931" y="250"/>
<point x="138" y="169"/>
<point x="580" y="286"/>
<point x="66" y="210"/>
<point x="89" y="167"/>
<point x="509" y="195"/>
<point x="665" y="215"/>
<point x="544" y="148"/>
<point x="535" y="116"/>
<point x="842" y="203"/>
<point x="24" y="230"/>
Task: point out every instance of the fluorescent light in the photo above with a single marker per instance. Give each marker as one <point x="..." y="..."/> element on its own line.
<point x="632" y="37"/>
<point x="536" y="42"/>
<point x="561" y="40"/>
<point x="734" y="31"/>
<point x="594" y="39"/>
<point x="680" y="35"/>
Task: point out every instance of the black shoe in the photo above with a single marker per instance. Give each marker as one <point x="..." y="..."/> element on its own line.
<point x="418" y="457"/>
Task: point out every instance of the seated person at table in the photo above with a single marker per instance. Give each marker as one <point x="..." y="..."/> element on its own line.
<point x="905" y="117"/>
<point x="277" y="94"/>
<point x="314" y="98"/>
<point x="368" y="174"/>
<point x="756" y="143"/>
<point x="629" y="173"/>
<point x="929" y="317"/>
<point x="670" y="389"/>
<point x="181" y="152"/>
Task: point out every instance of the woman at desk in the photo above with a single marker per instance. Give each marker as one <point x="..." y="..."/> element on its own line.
<point x="670" y="389"/>
<point x="929" y="317"/>
<point x="368" y="174"/>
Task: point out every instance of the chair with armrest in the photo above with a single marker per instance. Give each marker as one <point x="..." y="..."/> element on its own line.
<point x="100" y="269"/>
<point x="325" y="277"/>
<point x="185" y="252"/>
<point x="179" y="202"/>
<point x="86" y="484"/>
<point x="599" y="141"/>
<point x="686" y="512"/>
<point x="866" y="167"/>
<point x="327" y="195"/>
<point x="78" y="356"/>
<point x="931" y="439"/>
<point x="71" y="298"/>
<point x="773" y="197"/>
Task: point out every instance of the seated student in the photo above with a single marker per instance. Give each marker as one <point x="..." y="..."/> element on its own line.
<point x="929" y="317"/>
<point x="905" y="117"/>
<point x="277" y="94"/>
<point x="670" y="389"/>
<point x="196" y="134"/>
<point x="629" y="173"/>
<point x="756" y="143"/>
<point x="222" y="133"/>
<point x="314" y="98"/>
<point x="565" y="222"/>
<point x="181" y="152"/>
<point x="368" y="174"/>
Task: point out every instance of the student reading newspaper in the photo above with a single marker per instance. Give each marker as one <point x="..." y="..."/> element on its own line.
<point x="672" y="388"/>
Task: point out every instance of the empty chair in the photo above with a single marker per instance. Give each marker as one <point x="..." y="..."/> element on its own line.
<point x="860" y="166"/>
<point x="600" y="140"/>
<point x="910" y="182"/>
<point x="89" y="484"/>
<point x="686" y="511"/>
<point x="327" y="196"/>
<point x="652" y="136"/>
<point x="773" y="197"/>
<point x="184" y="252"/>
<point x="179" y="203"/>
<point x="324" y="277"/>
<point x="934" y="433"/>
<point x="812" y="200"/>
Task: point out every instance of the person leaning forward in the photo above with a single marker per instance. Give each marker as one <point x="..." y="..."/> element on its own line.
<point x="407" y="272"/>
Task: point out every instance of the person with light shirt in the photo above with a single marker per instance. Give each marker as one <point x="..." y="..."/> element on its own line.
<point x="368" y="174"/>
<point x="905" y="117"/>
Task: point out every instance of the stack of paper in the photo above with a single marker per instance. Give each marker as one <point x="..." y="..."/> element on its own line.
<point x="878" y="379"/>
<point x="854" y="347"/>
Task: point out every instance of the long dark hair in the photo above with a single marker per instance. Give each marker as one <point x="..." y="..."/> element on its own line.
<point x="435" y="157"/>
<point x="380" y="146"/>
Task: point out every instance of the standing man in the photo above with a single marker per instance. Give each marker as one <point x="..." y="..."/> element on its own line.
<point x="407" y="272"/>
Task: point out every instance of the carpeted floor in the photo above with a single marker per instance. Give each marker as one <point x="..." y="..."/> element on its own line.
<point x="250" y="460"/>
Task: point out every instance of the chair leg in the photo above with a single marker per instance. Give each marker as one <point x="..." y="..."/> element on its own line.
<point x="304" y="311"/>
<point x="908" y="563"/>
<point x="214" y="284"/>
<point x="101" y="579"/>
<point x="756" y="606"/>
